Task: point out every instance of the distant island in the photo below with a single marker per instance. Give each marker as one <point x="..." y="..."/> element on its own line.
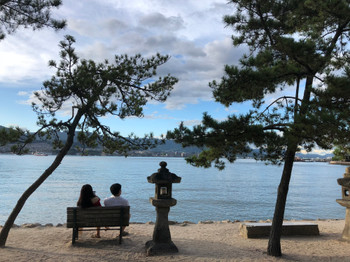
<point x="168" y="149"/>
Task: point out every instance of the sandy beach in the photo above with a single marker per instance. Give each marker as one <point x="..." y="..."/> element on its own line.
<point x="212" y="241"/>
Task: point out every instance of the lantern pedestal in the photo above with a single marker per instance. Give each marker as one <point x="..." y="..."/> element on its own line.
<point x="345" y="201"/>
<point x="161" y="242"/>
<point x="346" y="231"/>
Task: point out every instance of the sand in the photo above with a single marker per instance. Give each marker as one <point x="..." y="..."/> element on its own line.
<point x="216" y="241"/>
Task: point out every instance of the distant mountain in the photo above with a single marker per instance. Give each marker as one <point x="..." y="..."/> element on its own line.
<point x="311" y="155"/>
<point x="169" y="148"/>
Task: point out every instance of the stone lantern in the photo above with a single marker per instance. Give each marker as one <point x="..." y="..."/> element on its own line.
<point x="163" y="180"/>
<point x="345" y="201"/>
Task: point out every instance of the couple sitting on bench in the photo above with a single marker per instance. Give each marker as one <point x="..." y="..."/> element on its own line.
<point x="89" y="199"/>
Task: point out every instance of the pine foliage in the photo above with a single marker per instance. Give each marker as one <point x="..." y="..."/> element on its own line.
<point x="298" y="54"/>
<point x="28" y="13"/>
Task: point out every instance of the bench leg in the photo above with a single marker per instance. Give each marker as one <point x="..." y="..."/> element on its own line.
<point x="74" y="235"/>
<point x="120" y="234"/>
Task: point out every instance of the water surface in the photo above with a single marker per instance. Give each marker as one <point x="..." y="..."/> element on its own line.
<point x="245" y="190"/>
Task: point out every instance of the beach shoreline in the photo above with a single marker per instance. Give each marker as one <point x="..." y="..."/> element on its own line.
<point x="35" y="224"/>
<point x="203" y="241"/>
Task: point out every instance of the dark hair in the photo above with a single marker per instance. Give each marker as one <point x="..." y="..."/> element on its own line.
<point x="115" y="189"/>
<point x="86" y="194"/>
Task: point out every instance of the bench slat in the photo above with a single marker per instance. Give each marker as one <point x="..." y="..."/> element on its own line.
<point x="94" y="216"/>
<point x="97" y="216"/>
<point x="88" y="213"/>
<point x="92" y="224"/>
<point x="96" y="223"/>
<point x="96" y="210"/>
<point x="107" y="219"/>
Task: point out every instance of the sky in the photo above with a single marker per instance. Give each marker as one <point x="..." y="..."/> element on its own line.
<point x="191" y="32"/>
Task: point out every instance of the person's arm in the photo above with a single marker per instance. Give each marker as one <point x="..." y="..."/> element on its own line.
<point x="96" y="201"/>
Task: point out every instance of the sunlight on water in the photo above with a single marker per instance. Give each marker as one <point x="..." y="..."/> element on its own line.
<point x="245" y="190"/>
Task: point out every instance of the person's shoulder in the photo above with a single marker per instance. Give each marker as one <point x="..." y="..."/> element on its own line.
<point x="107" y="200"/>
<point x="95" y="199"/>
<point x="126" y="202"/>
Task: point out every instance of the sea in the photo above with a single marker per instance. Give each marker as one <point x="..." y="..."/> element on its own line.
<point x="244" y="190"/>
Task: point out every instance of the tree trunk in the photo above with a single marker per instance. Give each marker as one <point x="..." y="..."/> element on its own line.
<point x="274" y="246"/>
<point x="20" y="203"/>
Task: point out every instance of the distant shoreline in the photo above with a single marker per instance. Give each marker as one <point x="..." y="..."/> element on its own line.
<point x="304" y="160"/>
<point x="340" y="163"/>
<point x="204" y="222"/>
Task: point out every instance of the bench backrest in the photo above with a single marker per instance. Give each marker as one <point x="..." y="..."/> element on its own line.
<point x="98" y="216"/>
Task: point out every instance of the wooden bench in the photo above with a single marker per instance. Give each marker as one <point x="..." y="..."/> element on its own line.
<point x="256" y="230"/>
<point x="79" y="218"/>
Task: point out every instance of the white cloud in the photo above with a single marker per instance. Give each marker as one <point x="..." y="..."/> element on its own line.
<point x="66" y="109"/>
<point x="318" y="151"/>
<point x="231" y="110"/>
<point x="14" y="65"/>
<point x="192" y="122"/>
<point x="159" y="21"/>
<point x="25" y="56"/>
<point x="157" y="115"/>
<point x="22" y="93"/>
<point x="191" y="32"/>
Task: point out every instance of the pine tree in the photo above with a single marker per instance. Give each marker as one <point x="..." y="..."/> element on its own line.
<point x="341" y="153"/>
<point x="92" y="90"/>
<point x="291" y="43"/>
<point x="24" y="13"/>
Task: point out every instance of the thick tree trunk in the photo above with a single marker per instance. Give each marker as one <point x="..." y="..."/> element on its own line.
<point x="274" y="246"/>
<point x="20" y="203"/>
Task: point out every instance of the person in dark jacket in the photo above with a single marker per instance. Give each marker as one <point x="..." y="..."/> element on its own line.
<point x="88" y="199"/>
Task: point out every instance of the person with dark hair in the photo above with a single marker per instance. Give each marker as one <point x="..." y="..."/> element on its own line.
<point x="88" y="199"/>
<point x="116" y="199"/>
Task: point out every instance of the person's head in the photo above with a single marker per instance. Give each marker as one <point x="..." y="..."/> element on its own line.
<point x="86" y="194"/>
<point x="116" y="189"/>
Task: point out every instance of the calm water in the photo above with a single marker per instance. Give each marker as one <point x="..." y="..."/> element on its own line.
<point x="245" y="190"/>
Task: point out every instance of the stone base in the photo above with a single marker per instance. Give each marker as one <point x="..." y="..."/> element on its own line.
<point x="346" y="231"/>
<point x="256" y="230"/>
<point x="153" y="248"/>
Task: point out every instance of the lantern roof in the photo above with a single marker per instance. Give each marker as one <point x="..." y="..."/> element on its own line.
<point x="163" y="176"/>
